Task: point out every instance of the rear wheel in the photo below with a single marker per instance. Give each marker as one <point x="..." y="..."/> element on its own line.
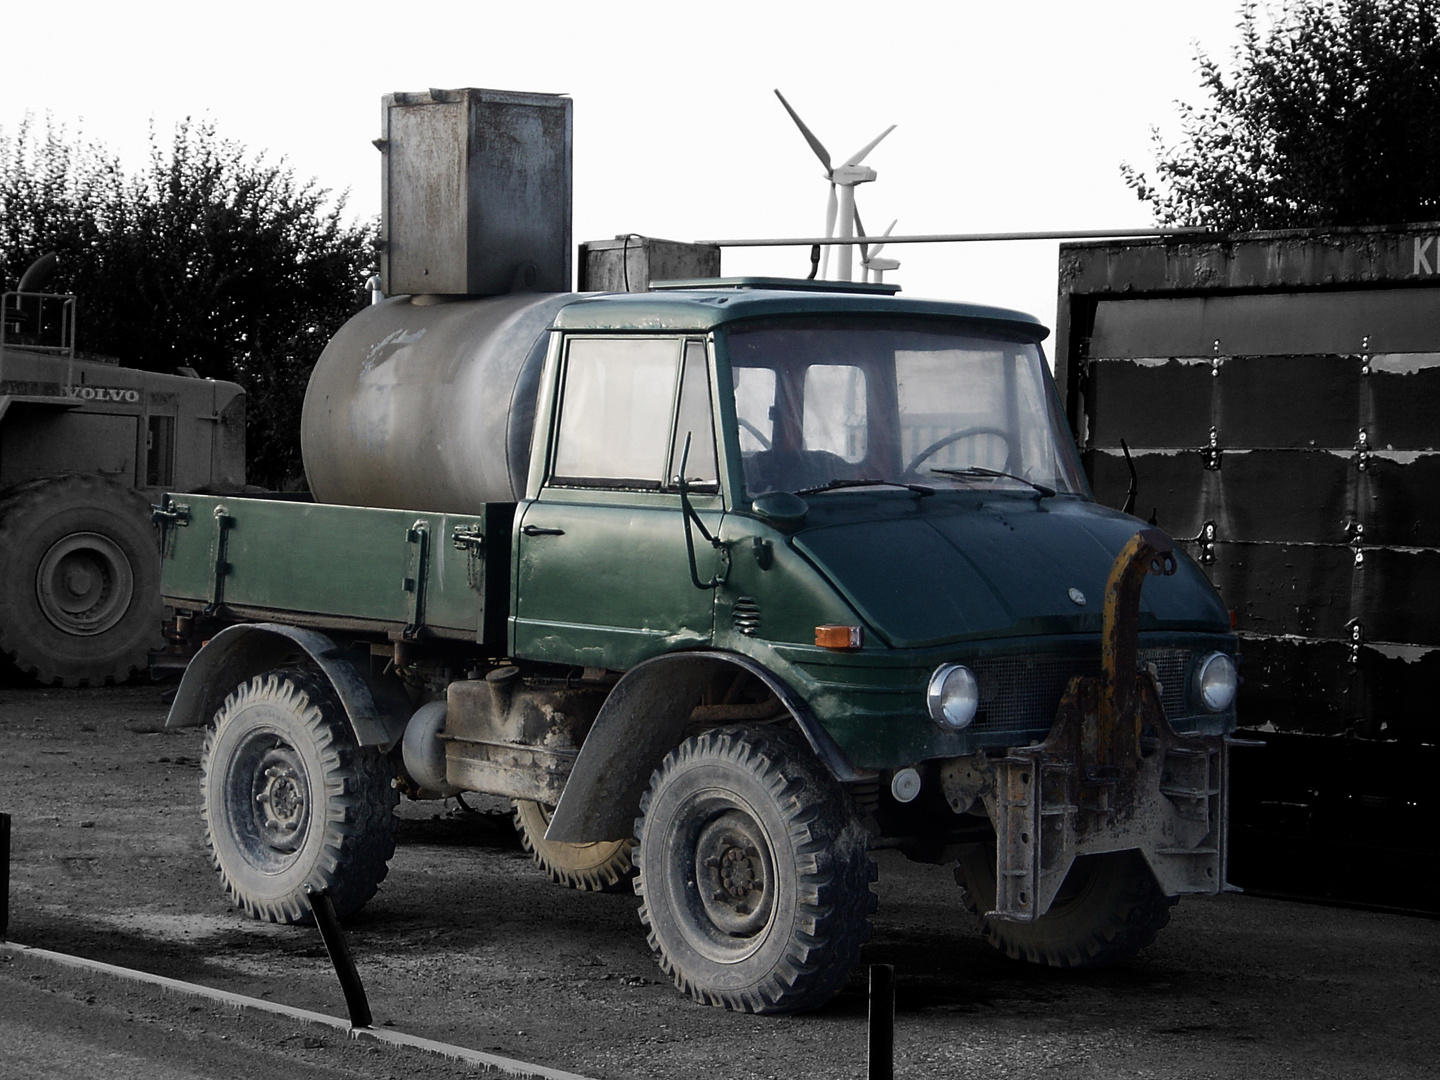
<point x="1107" y="910"/>
<point x="754" y="875"/>
<point x="604" y="866"/>
<point x="79" y="580"/>
<point x="291" y="801"/>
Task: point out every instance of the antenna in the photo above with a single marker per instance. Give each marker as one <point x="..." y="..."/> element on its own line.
<point x="841" y="203"/>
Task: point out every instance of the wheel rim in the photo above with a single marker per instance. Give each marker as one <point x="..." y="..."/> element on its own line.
<point x="84" y="584"/>
<point x="732" y="873"/>
<point x="267" y="794"/>
<point x="728" y="880"/>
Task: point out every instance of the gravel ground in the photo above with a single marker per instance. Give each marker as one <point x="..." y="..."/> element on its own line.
<point x="468" y="943"/>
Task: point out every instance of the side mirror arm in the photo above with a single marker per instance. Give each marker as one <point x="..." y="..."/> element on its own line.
<point x="689" y="516"/>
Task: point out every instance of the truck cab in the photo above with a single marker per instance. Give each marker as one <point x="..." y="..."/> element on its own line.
<point x="896" y="469"/>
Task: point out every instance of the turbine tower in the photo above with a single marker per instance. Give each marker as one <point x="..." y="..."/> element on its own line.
<point x="843" y="180"/>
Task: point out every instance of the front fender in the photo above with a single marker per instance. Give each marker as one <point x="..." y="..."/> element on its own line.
<point x="640" y="722"/>
<point x="242" y="651"/>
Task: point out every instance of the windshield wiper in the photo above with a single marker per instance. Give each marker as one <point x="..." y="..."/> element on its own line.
<point x="978" y="470"/>
<point x="832" y="485"/>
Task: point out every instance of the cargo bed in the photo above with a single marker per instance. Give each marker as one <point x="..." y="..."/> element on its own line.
<point x="396" y="572"/>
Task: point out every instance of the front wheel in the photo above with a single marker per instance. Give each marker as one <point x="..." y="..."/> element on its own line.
<point x="1108" y="909"/>
<point x="753" y="873"/>
<point x="291" y="801"/>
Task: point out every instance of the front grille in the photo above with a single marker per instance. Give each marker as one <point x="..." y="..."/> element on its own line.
<point x="1018" y="693"/>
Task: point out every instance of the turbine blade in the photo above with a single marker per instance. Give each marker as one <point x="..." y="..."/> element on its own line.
<point x="881" y="246"/>
<point x="859" y="155"/>
<point x="815" y="144"/>
<point x="860" y="231"/>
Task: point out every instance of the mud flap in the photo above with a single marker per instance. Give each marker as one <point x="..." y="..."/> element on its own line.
<point x="1112" y="775"/>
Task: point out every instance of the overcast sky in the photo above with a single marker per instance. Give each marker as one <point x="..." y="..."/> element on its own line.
<point x="1013" y="116"/>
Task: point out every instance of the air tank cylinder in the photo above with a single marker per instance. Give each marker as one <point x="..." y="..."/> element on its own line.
<point x="428" y="403"/>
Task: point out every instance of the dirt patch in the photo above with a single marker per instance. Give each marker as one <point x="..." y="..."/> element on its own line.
<point x="467" y="942"/>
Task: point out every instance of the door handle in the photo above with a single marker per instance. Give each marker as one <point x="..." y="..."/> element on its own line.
<point x="536" y="530"/>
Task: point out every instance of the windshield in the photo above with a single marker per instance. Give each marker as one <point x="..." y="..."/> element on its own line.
<point x="840" y="403"/>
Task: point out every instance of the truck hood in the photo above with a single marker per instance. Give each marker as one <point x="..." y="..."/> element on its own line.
<point x="949" y="568"/>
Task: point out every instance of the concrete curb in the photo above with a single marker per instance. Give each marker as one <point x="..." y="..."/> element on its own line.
<point x="240" y="1003"/>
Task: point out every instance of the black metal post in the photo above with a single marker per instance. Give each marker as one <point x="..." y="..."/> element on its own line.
<point x="334" y="937"/>
<point x="882" y="1022"/>
<point x="4" y="877"/>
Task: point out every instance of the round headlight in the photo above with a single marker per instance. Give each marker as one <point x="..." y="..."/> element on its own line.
<point x="1216" y="682"/>
<point x="953" y="696"/>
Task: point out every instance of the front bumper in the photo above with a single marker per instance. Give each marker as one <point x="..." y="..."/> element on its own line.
<point x="1112" y="775"/>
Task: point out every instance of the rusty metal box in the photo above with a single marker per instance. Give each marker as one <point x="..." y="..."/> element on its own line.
<point x="631" y="263"/>
<point x="475" y="192"/>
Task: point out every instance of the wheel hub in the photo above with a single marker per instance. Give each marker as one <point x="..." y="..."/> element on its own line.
<point x="84" y="584"/>
<point x="280" y="798"/>
<point x="733" y="874"/>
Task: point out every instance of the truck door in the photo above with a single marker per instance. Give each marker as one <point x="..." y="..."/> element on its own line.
<point x="602" y="577"/>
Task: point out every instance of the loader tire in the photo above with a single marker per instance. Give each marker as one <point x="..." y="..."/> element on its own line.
<point x="1107" y="910"/>
<point x="79" y="581"/>
<point x="291" y="802"/>
<point x="753" y="872"/>
<point x="604" y="866"/>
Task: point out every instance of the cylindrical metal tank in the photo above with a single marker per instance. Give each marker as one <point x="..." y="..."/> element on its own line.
<point x="427" y="403"/>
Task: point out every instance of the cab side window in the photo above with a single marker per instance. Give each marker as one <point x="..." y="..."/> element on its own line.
<point x="627" y="405"/>
<point x="615" y="411"/>
<point x="694" y="419"/>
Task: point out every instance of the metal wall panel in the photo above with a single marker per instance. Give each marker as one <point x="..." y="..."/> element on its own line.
<point x="1286" y="401"/>
<point x="1249" y="401"/>
<point x="1268" y="323"/>
<point x="1397" y="500"/>
<point x="1146" y="403"/>
<point x="1397" y="595"/>
<point x="1319" y="487"/>
<point x="1258" y="495"/>
<point x="1402" y="395"/>
<point x="1286" y="589"/>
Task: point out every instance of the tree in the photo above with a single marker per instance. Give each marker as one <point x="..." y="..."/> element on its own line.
<point x="1331" y="117"/>
<point x="208" y="258"/>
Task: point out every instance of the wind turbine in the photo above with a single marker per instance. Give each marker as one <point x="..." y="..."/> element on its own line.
<point x="870" y="261"/>
<point x="844" y="178"/>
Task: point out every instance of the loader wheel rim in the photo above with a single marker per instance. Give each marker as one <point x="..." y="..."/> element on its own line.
<point x="84" y="584"/>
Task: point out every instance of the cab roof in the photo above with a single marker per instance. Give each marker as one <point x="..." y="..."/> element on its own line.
<point x="706" y="304"/>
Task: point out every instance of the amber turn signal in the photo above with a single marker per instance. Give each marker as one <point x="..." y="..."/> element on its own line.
<point x="839" y="637"/>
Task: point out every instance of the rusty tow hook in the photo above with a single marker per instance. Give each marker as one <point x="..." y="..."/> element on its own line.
<point x="1117" y="735"/>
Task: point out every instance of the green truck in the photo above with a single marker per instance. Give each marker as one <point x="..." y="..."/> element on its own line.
<point x="726" y="584"/>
